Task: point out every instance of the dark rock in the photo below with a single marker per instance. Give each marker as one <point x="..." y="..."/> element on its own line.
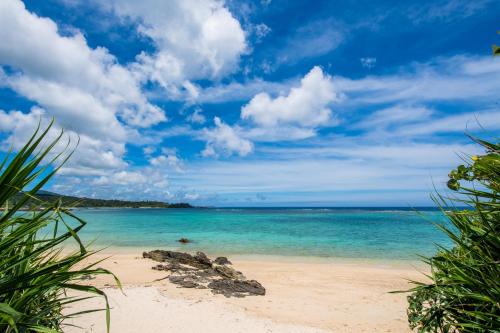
<point x="203" y="259"/>
<point x="200" y="260"/>
<point x="229" y="272"/>
<point x="159" y="268"/>
<point x="222" y="261"/>
<point x="188" y="271"/>
<point x="184" y="241"/>
<point x="173" y="267"/>
<point x="183" y="281"/>
<point x="237" y="288"/>
<point x="171" y="256"/>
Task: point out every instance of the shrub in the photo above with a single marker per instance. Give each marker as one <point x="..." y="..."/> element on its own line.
<point x="464" y="293"/>
<point x="34" y="271"/>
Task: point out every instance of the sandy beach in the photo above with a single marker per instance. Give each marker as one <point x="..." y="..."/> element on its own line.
<point x="302" y="295"/>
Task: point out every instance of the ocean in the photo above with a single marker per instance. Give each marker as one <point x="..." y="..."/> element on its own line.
<point x="364" y="233"/>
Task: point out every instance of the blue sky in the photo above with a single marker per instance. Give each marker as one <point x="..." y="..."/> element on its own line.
<point x="253" y="103"/>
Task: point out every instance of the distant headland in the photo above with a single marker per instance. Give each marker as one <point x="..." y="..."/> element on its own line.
<point x="83" y="202"/>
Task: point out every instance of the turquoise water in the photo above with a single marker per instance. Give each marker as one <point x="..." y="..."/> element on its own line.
<point x="342" y="233"/>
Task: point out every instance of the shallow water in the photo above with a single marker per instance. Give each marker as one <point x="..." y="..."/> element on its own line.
<point x="382" y="233"/>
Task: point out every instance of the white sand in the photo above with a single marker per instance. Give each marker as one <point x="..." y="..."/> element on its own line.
<point x="302" y="296"/>
<point x="145" y="309"/>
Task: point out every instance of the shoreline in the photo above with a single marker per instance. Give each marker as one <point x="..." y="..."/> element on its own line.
<point x="301" y="296"/>
<point x="137" y="251"/>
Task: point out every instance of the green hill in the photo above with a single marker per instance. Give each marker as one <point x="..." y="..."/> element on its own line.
<point x="71" y="201"/>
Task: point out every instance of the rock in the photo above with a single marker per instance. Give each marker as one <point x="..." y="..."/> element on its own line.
<point x="236" y="288"/>
<point x="203" y="259"/>
<point x="184" y="241"/>
<point x="222" y="261"/>
<point x="179" y="257"/>
<point x="183" y="281"/>
<point x="198" y="271"/>
<point x="159" y="268"/>
<point x="229" y="272"/>
<point x="173" y="267"/>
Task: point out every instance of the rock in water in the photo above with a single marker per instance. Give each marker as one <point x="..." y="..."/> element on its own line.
<point x="222" y="261"/>
<point x="237" y="288"/>
<point x="184" y="241"/>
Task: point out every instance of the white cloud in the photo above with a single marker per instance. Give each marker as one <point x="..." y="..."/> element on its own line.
<point x="306" y="105"/>
<point x="360" y="167"/>
<point x="275" y="134"/>
<point x="314" y="39"/>
<point x="458" y="78"/>
<point x="169" y="160"/>
<point x="368" y="62"/>
<point x="395" y="115"/>
<point x="445" y="10"/>
<point x="89" y="93"/>
<point x="148" y="150"/>
<point x="92" y="157"/>
<point x="121" y="178"/>
<point x="261" y="30"/>
<point x="240" y="91"/>
<point x="197" y="117"/>
<point x="485" y="120"/>
<point x="193" y="39"/>
<point x="85" y="88"/>
<point x="223" y="139"/>
<point x="191" y="196"/>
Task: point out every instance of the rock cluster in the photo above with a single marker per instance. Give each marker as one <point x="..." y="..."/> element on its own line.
<point x="198" y="271"/>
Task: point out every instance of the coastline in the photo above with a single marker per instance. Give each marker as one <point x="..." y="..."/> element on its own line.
<point x="304" y="294"/>
<point x="251" y="257"/>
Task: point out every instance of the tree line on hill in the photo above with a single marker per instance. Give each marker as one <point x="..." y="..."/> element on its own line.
<point x="72" y="201"/>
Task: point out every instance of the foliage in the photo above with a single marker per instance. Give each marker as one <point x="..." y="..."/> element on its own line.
<point x="34" y="271"/>
<point x="496" y="48"/>
<point x="464" y="293"/>
<point x="70" y="201"/>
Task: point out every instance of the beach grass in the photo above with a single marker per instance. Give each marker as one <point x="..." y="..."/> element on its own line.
<point x="35" y="273"/>
<point x="464" y="295"/>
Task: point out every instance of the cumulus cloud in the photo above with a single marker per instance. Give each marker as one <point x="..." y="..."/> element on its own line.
<point x="168" y="160"/>
<point x="193" y="39"/>
<point x="149" y="182"/>
<point x="197" y="117"/>
<point x="306" y="105"/>
<point x="122" y="178"/>
<point x="84" y="87"/>
<point x="90" y="94"/>
<point x="93" y="157"/>
<point x="223" y="139"/>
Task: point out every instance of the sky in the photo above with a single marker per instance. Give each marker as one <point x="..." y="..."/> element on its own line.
<point x="252" y="103"/>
